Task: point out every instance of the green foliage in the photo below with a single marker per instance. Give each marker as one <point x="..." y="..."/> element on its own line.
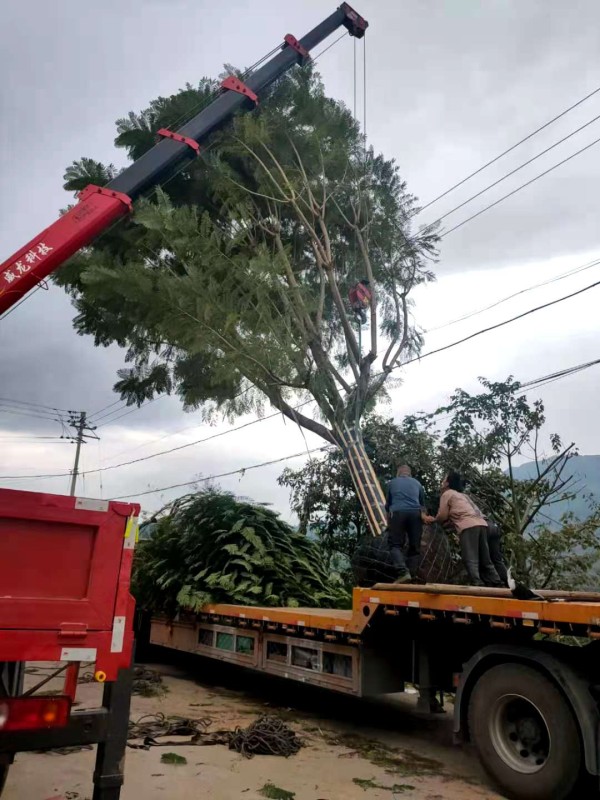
<point x="275" y="792"/>
<point x="173" y="758"/>
<point x="486" y="436"/>
<point x="232" y="278"/>
<point x="215" y="548"/>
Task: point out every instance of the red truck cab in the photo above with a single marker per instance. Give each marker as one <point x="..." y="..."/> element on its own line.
<point x="65" y="568"/>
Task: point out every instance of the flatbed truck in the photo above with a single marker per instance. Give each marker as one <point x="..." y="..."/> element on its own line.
<point x="525" y="674"/>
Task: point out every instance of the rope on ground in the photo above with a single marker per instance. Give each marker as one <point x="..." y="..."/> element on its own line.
<point x="268" y="735"/>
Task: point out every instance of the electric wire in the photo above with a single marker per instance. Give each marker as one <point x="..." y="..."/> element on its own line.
<point x="523" y="386"/>
<point x="514" y="171"/>
<point x="518" y="189"/>
<point x="502" y="300"/>
<point x="240" y="471"/>
<point x="510" y="149"/>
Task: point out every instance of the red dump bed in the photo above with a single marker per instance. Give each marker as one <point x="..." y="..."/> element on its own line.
<point x="65" y="566"/>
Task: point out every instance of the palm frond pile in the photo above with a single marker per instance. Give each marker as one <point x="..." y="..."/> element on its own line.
<point x="214" y="548"/>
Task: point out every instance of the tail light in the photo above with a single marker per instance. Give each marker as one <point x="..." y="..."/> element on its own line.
<point x="27" y="713"/>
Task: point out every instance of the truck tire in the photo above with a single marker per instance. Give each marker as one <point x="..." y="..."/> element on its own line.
<point x="525" y="733"/>
<point x="3" y="776"/>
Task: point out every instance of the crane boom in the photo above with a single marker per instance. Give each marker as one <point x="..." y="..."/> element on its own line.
<point x="98" y="207"/>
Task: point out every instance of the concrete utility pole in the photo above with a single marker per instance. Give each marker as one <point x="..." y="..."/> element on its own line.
<point x="79" y="422"/>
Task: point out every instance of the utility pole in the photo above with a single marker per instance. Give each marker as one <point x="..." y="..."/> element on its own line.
<point x="79" y="422"/>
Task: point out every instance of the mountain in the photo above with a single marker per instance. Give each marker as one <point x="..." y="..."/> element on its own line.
<point x="585" y="471"/>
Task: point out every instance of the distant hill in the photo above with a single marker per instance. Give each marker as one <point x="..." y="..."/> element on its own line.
<point x="586" y="473"/>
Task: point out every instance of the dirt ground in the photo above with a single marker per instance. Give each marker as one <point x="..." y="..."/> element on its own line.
<point x="354" y="750"/>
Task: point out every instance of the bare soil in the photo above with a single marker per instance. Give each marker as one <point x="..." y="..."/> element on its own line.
<point x="354" y="750"/>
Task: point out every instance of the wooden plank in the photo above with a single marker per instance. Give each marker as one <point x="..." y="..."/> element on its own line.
<point x="486" y="591"/>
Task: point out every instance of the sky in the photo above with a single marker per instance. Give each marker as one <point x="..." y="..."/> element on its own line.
<point x="450" y="85"/>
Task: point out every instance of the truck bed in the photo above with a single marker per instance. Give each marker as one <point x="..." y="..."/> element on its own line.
<point x="568" y="612"/>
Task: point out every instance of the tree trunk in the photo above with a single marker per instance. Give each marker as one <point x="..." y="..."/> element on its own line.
<point x="372" y="558"/>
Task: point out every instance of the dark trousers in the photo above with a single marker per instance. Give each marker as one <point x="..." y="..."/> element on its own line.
<point x="476" y="556"/>
<point x="405" y="529"/>
<point x="496" y="553"/>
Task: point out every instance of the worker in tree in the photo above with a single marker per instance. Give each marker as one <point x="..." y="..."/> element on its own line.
<point x="360" y="299"/>
<point x="405" y="505"/>
<point x="458" y="508"/>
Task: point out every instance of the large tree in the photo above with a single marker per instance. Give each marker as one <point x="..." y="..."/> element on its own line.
<point x="229" y="286"/>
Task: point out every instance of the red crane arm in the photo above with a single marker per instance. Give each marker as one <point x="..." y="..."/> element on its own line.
<point x="99" y="207"/>
<point x="96" y="210"/>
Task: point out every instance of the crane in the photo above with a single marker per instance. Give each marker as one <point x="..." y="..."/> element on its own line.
<point x="98" y="207"/>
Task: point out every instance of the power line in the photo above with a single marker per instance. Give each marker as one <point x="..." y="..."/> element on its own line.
<point x="131" y="410"/>
<point x="110" y="405"/>
<point x="529" y="384"/>
<point x="510" y="149"/>
<point x="563" y="373"/>
<point x="240" y="471"/>
<point x="11" y="401"/>
<point x="45" y="439"/>
<point x="410" y="361"/>
<point x="164" y="452"/>
<point x="23" y="413"/>
<point x="243" y="470"/>
<point x="556" y="279"/>
<point x="497" y="325"/>
<point x="399" y="366"/>
<point x="514" y="171"/>
<point x="518" y="189"/>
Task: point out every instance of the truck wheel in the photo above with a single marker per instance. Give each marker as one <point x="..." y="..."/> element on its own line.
<point x="3" y="776"/>
<point x="525" y="733"/>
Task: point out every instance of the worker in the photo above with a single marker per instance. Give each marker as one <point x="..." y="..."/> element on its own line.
<point x="457" y="508"/>
<point x="494" y="538"/>
<point x="360" y="299"/>
<point x="405" y="506"/>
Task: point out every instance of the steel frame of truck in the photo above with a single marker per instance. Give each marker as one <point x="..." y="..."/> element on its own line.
<point x="65" y="567"/>
<point x="444" y="640"/>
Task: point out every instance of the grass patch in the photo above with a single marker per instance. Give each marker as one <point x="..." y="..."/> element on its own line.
<point x="369" y="783"/>
<point x="275" y="792"/>
<point x="172" y="758"/>
<point x="393" y="761"/>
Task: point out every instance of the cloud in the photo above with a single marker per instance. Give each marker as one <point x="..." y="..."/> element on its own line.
<point x="450" y="85"/>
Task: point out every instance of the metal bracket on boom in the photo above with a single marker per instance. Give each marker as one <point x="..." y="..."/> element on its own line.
<point x="355" y="24"/>
<point x="92" y="189"/>
<point x="292" y="42"/>
<point x="236" y="85"/>
<point x="177" y="137"/>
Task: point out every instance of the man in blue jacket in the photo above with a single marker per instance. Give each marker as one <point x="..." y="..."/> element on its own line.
<point x="404" y="504"/>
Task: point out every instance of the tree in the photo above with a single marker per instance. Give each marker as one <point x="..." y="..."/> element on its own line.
<point x="322" y="493"/>
<point x="228" y="286"/>
<point x="487" y="435"/>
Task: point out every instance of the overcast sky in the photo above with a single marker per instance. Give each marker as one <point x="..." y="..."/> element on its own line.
<point x="450" y="85"/>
